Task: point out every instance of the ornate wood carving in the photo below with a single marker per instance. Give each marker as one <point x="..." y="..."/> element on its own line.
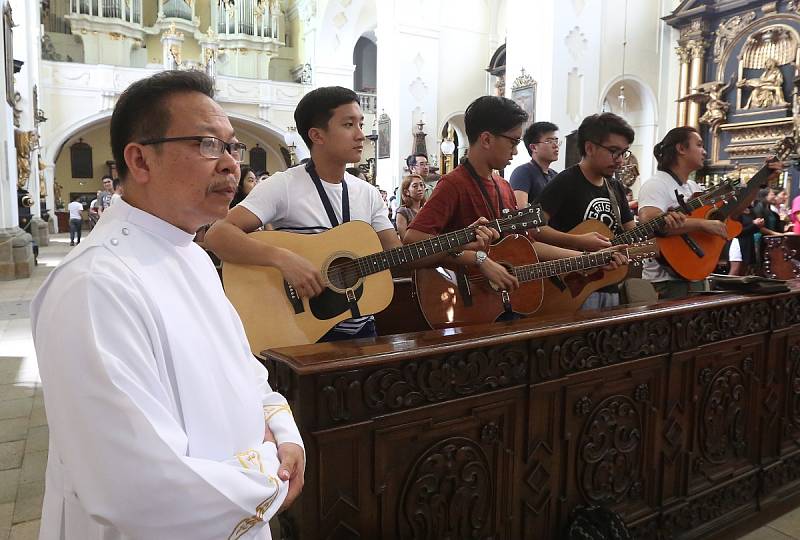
<point x="610" y="452"/>
<point x="783" y="473"/>
<point x="448" y="493"/>
<point x="599" y="348"/>
<point x="715" y="325"/>
<point x="786" y="311"/>
<point x="723" y="421"/>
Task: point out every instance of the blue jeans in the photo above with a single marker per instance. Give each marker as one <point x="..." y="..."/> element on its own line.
<point x="334" y="335"/>
<point x="74" y="230"/>
<point x="598" y="300"/>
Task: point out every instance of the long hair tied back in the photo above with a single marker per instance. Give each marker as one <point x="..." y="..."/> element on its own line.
<point x="666" y="152"/>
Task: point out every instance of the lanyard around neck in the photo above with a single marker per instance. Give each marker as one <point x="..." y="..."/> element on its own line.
<point x="326" y="202"/>
<point x="484" y="193"/>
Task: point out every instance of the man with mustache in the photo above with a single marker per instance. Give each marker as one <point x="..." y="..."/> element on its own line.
<point x="166" y="427"/>
<point x="311" y="198"/>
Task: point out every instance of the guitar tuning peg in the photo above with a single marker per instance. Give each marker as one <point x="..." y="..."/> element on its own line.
<point x="506" y="211"/>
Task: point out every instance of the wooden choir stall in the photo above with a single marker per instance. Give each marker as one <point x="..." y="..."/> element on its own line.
<point x="682" y="416"/>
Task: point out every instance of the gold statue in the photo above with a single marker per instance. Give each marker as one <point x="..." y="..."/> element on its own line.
<point x="711" y="93"/>
<point x="42" y="181"/>
<point x="175" y="51"/>
<point x="767" y="89"/>
<point x="22" y="140"/>
<point x="57" y="191"/>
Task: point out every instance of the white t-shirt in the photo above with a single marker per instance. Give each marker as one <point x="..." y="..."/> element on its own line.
<point x="75" y="208"/>
<point x="289" y="202"/>
<point x="658" y="191"/>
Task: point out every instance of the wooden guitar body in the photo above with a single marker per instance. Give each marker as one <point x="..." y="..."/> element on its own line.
<point x="273" y="318"/>
<point x="695" y="255"/>
<point x="567" y="293"/>
<point x="464" y="297"/>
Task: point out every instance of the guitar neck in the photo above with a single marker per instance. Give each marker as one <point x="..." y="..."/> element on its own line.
<point x="384" y="260"/>
<point x="747" y="195"/>
<point x="649" y="229"/>
<point x="541" y="270"/>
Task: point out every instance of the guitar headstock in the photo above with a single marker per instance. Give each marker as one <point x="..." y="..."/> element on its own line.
<point x="530" y="217"/>
<point x="785" y="148"/>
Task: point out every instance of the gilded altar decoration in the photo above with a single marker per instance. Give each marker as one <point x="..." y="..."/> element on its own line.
<point x="175" y="53"/>
<point x="629" y="172"/>
<point x="728" y="30"/>
<point x="42" y="182"/>
<point x="767" y="89"/>
<point x="710" y="94"/>
<point x="23" y="140"/>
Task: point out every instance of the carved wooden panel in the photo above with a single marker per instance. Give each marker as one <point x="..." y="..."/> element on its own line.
<point x="610" y="429"/>
<point x="786" y="311"/>
<point x="710" y="326"/>
<point x="448" y="476"/>
<point x="791" y="395"/>
<point x="562" y="355"/>
<point x="725" y="397"/>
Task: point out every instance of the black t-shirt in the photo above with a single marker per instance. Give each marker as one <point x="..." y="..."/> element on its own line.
<point x="531" y="179"/>
<point x="570" y="199"/>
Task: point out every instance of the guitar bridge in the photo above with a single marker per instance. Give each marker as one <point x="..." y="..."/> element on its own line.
<point x="294" y="298"/>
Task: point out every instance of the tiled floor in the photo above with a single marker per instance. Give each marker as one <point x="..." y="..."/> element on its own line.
<point x="23" y="425"/>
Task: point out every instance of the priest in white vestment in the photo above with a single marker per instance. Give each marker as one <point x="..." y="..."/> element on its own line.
<point x="162" y="424"/>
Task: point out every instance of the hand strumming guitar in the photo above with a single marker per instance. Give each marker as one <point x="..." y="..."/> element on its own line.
<point x="300" y="274"/>
<point x="497" y="274"/>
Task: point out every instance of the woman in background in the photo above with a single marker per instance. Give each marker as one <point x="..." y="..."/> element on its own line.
<point x="412" y="191"/>
<point x="247" y="181"/>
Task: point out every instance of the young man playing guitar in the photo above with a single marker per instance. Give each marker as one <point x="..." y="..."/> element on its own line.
<point x="680" y="153"/>
<point x="472" y="190"/>
<point x="313" y="198"/>
<point x="586" y="191"/>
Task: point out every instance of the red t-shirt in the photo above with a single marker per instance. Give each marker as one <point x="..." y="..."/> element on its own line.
<point x="457" y="202"/>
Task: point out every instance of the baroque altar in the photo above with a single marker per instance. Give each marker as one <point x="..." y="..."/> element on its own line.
<point x="738" y="78"/>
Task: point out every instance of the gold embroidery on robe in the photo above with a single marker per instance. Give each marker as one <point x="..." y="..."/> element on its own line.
<point x="248" y="523"/>
<point x="250" y="457"/>
<point x="272" y="410"/>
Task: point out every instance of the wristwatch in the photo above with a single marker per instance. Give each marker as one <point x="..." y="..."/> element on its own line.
<point x="480" y="257"/>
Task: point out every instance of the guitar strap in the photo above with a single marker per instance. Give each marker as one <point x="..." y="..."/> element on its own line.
<point x="484" y="193"/>
<point x="614" y="206"/>
<point x="326" y="202"/>
<point x="311" y="169"/>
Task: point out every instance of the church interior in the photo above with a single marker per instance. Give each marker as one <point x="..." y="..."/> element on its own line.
<point x="677" y="418"/>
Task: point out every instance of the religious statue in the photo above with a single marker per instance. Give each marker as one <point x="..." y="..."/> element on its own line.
<point x="42" y="182"/>
<point x="305" y="74"/>
<point x="629" y="172"/>
<point x="175" y="52"/>
<point x="23" y="142"/>
<point x="57" y="191"/>
<point x="767" y="89"/>
<point x="711" y="93"/>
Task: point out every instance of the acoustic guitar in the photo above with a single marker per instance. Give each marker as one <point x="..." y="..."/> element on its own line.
<point x="356" y="272"/>
<point x="695" y="255"/>
<point x="567" y="293"/>
<point x="463" y="297"/>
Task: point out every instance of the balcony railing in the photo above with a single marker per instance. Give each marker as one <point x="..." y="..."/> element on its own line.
<point x="369" y="102"/>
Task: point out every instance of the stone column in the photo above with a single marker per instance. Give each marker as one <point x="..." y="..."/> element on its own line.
<point x="697" y="49"/>
<point x="683" y="83"/>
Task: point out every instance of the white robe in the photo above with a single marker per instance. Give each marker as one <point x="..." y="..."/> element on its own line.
<point x="156" y="407"/>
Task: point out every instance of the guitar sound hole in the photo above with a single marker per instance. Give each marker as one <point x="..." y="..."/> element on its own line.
<point x="343" y="273"/>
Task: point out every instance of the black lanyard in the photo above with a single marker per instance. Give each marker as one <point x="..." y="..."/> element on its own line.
<point x="326" y="202"/>
<point x="485" y="194"/>
<point x="674" y="176"/>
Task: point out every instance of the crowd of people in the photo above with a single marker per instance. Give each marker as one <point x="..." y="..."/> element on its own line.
<point x="167" y="427"/>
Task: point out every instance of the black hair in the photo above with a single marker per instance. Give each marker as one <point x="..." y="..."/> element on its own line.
<point x="115" y="183"/>
<point x="141" y="111"/>
<point x="316" y="108"/>
<point x="535" y="131"/>
<point x="106" y="176"/>
<point x="76" y="196"/>
<point x="666" y="151"/>
<point x="597" y="127"/>
<point x="494" y="114"/>
<point x="239" y="196"/>
<point x="411" y="161"/>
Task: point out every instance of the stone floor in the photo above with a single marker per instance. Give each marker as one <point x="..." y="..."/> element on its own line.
<point x="23" y="425"/>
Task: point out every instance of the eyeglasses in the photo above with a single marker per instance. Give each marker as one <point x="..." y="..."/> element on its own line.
<point x="210" y="147"/>
<point x="552" y="141"/>
<point x="512" y="139"/>
<point x="616" y="154"/>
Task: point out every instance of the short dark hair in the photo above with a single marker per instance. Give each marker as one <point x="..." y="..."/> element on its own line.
<point x="666" y="151"/>
<point x="316" y="108"/>
<point x="239" y="196"/>
<point x="141" y="111"/>
<point x="597" y="127"/>
<point x="534" y="133"/>
<point x="106" y="177"/>
<point x="494" y="114"/>
<point x="411" y="161"/>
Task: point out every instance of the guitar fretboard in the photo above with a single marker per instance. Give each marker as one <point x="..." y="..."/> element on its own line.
<point x="530" y="272"/>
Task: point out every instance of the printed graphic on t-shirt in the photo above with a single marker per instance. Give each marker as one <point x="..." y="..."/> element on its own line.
<point x="600" y="209"/>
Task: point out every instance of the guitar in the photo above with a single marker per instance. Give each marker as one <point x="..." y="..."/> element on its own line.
<point x="356" y="271"/>
<point x="450" y="298"/>
<point x="695" y="255"/>
<point x="567" y="293"/>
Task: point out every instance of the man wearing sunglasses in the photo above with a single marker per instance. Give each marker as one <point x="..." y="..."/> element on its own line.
<point x="166" y="427"/>
<point x="528" y="180"/>
<point x="588" y="191"/>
